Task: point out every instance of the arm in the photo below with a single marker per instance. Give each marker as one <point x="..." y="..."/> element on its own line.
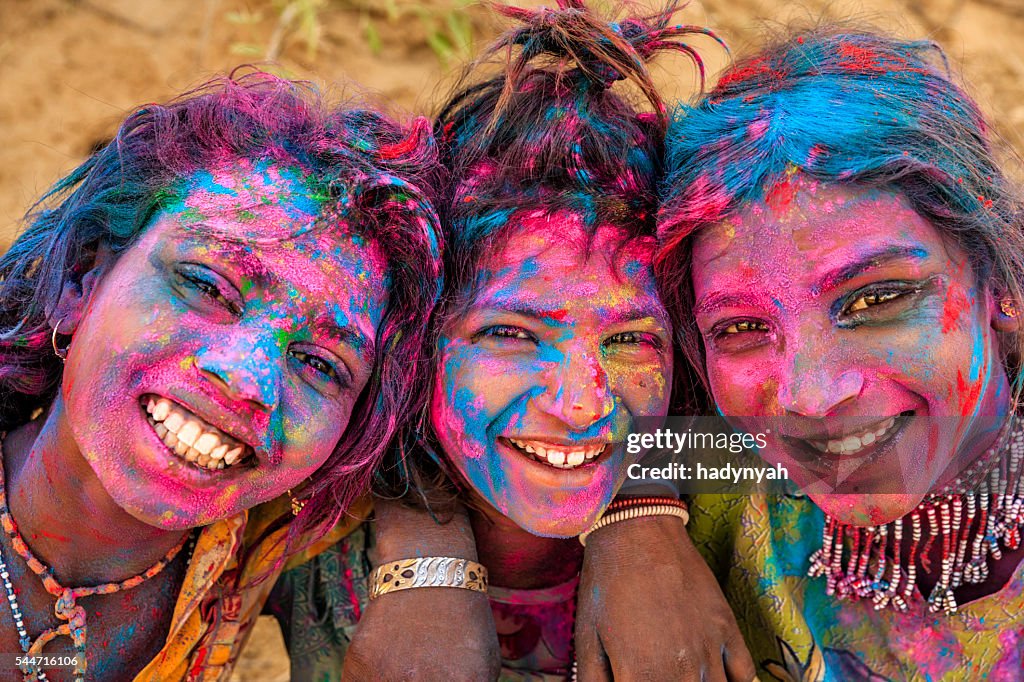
<point x="650" y="609"/>
<point x="423" y="633"/>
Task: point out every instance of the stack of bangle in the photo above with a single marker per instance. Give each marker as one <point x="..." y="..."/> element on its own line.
<point x="635" y="507"/>
<point x="428" y="571"/>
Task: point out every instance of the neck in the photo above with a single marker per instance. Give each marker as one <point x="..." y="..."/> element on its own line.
<point x="64" y="513"/>
<point x="518" y="559"/>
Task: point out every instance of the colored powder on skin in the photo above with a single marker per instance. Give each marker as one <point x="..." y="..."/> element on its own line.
<point x="955" y="304"/>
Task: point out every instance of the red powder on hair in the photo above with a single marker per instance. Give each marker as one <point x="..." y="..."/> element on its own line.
<point x="780" y="195"/>
<point x="756" y="69"/>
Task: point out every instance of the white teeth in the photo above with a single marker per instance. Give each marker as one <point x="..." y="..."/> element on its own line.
<point x="558" y="458"/>
<point x="230" y="457"/>
<point x="189" y="433"/>
<point x="191" y="438"/>
<point x="161" y="410"/>
<point x="855" y="443"/>
<point x="206" y="443"/>
<point x="173" y="422"/>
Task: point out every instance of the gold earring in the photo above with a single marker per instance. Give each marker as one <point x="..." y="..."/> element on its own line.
<point x="1007" y="307"/>
<point x="297" y="504"/>
<point x="61" y="353"/>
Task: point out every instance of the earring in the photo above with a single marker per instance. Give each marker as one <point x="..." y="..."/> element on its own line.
<point x="61" y="353"/>
<point x="1007" y="307"/>
<point x="297" y="504"/>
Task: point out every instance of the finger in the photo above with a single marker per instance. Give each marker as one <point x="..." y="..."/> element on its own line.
<point x="714" y="667"/>
<point x="739" y="664"/>
<point x="591" y="661"/>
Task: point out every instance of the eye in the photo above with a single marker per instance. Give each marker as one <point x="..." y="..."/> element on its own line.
<point x="321" y="366"/>
<point x="869" y="300"/>
<point x="506" y="331"/>
<point x="632" y="339"/>
<point x="193" y="278"/>
<point x="745" y="326"/>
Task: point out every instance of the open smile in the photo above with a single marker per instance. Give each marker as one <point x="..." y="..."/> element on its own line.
<point x="557" y="455"/>
<point x="193" y="440"/>
<point x="864" y="446"/>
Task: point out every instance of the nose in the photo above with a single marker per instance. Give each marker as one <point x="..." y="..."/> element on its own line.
<point x="815" y="386"/>
<point x="578" y="391"/>
<point x="244" y="368"/>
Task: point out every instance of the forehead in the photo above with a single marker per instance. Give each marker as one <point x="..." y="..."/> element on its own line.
<point x="249" y="200"/>
<point x="555" y="257"/>
<point x="803" y="226"/>
<point x="263" y="223"/>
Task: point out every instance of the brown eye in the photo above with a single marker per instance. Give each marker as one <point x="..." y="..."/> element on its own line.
<point x="868" y="300"/>
<point x="745" y="326"/>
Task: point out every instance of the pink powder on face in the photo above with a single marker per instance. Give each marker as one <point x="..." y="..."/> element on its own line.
<point x="265" y="341"/>
<point x="556" y="347"/>
<point x="831" y="330"/>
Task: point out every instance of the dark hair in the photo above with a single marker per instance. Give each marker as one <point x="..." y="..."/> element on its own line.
<point x="364" y="167"/>
<point x="841" y="106"/>
<point x="548" y="132"/>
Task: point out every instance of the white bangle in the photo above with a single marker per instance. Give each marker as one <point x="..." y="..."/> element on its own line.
<point x="635" y="513"/>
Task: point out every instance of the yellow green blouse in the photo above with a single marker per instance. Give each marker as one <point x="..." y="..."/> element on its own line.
<point x="760" y="546"/>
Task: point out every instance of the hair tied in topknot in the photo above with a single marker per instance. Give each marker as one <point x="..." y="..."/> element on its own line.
<point x="604" y="52"/>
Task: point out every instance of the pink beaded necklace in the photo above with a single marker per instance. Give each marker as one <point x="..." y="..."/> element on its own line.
<point x="866" y="562"/>
<point x="66" y="607"/>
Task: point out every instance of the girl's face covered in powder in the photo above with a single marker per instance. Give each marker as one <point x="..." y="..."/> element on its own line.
<point x="217" y="361"/>
<point x="564" y="343"/>
<point x="846" y="313"/>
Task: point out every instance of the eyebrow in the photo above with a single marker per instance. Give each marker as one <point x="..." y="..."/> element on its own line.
<point x="555" y="316"/>
<point x="870" y="261"/>
<point x="247" y="264"/>
<point x="348" y="335"/>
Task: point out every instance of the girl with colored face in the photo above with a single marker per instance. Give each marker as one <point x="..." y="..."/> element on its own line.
<point x="549" y="343"/>
<point x="562" y="345"/>
<point x="837" y="228"/>
<point x="188" y="333"/>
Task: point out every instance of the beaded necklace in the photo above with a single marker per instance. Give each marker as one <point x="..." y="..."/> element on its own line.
<point x="66" y="607"/>
<point x="866" y="562"/>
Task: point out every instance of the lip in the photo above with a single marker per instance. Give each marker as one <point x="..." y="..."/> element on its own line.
<point x="582" y="476"/>
<point x="805" y="451"/>
<point x="569" y="455"/>
<point x="234" y="421"/>
<point x="248" y="460"/>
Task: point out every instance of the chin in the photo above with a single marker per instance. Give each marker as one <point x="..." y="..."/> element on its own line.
<point x="866" y="509"/>
<point x="556" y="523"/>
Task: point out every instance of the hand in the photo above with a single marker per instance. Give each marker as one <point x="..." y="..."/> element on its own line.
<point x="423" y="633"/>
<point x="649" y="608"/>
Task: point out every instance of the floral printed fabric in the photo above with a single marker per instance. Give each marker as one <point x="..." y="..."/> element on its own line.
<point x="760" y="547"/>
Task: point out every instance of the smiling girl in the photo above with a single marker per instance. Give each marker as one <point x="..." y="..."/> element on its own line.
<point x="208" y="316"/>
<point x="849" y="258"/>
<point x="550" y="343"/>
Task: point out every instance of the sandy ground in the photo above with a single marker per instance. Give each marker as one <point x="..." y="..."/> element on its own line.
<point x="71" y="69"/>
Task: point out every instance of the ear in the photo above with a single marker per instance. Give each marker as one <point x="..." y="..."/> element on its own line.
<point x="1005" y="311"/>
<point x="79" y="289"/>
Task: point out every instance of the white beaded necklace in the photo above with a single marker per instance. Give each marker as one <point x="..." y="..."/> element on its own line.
<point x="866" y="562"/>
